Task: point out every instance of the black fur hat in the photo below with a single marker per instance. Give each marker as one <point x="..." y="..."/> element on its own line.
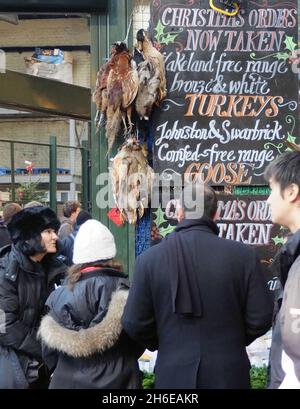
<point x="29" y="223"/>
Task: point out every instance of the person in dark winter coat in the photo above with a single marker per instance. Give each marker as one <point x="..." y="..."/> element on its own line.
<point x="8" y="212"/>
<point x="83" y="341"/>
<point x="283" y="175"/>
<point x="280" y="266"/>
<point x="67" y="243"/>
<point x="28" y="273"/>
<point x="199" y="300"/>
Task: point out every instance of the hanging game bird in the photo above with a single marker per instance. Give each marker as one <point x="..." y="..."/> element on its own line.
<point x="132" y="179"/>
<point x="100" y="94"/>
<point x="150" y="53"/>
<point x="148" y="92"/>
<point x="122" y="87"/>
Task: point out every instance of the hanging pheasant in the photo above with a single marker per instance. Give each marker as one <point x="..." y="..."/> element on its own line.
<point x="122" y="87"/>
<point x="100" y="94"/>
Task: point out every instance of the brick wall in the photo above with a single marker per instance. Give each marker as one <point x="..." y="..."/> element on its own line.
<point x="33" y="131"/>
<point x="49" y="33"/>
<point x="52" y="32"/>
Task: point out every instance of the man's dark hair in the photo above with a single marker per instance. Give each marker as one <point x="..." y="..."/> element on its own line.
<point x="70" y="207"/>
<point x="210" y="202"/>
<point x="196" y="190"/>
<point x="284" y="170"/>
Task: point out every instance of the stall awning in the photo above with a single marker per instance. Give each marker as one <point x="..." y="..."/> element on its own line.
<point x="36" y="94"/>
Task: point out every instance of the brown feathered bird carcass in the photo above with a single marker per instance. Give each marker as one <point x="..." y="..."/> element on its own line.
<point x="100" y="96"/>
<point x="122" y="87"/>
<point x="150" y="53"/>
<point x="132" y="179"/>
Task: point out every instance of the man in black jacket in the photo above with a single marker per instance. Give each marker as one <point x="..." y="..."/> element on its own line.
<point x="27" y="275"/>
<point x="200" y="300"/>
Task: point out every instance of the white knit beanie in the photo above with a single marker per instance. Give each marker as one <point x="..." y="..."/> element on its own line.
<point x="93" y="242"/>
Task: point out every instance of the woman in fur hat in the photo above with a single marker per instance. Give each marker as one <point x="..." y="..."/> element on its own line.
<point x="84" y="344"/>
<point x="27" y="276"/>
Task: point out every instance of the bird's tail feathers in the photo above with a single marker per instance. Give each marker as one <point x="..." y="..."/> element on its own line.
<point x="113" y="125"/>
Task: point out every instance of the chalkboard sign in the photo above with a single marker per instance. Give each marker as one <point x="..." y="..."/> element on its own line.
<point x="232" y="99"/>
<point x="241" y="218"/>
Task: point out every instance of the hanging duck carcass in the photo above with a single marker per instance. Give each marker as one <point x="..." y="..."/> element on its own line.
<point x="151" y="54"/>
<point x="148" y="93"/>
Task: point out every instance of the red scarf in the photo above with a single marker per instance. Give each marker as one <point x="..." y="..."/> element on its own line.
<point x="89" y="269"/>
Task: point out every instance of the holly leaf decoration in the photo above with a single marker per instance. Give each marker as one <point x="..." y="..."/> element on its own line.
<point x="291" y="138"/>
<point x="163" y="231"/>
<point x="278" y="240"/>
<point x="159" y="217"/>
<point x="282" y="56"/>
<point x="289" y="42"/>
<point x="290" y="142"/>
<point x="168" y="38"/>
<point x="159" y="31"/>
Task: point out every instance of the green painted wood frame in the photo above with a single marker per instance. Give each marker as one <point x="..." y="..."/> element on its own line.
<point x="105" y="30"/>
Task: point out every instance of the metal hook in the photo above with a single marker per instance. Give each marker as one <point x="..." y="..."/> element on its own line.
<point x="222" y="11"/>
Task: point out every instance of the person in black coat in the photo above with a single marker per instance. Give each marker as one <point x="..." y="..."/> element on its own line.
<point x="67" y="244"/>
<point x="84" y="344"/>
<point x="280" y="267"/>
<point x="8" y="212"/>
<point x="199" y="300"/>
<point x="28" y="273"/>
<point x="283" y="175"/>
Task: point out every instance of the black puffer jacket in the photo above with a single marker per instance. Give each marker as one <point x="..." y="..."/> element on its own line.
<point x="83" y="338"/>
<point x="4" y="235"/>
<point x="24" y="287"/>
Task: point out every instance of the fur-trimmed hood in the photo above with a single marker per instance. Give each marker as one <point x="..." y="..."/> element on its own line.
<point x="86" y="342"/>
